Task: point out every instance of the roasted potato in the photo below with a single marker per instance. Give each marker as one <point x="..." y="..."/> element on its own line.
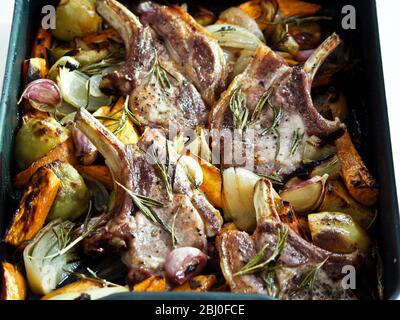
<point x="76" y="18"/>
<point x="338" y="199"/>
<point x="36" y="138"/>
<point x="73" y="197"/>
<point x="33" y="207"/>
<point x="337" y="232"/>
<point x="13" y="286"/>
<point x="358" y="180"/>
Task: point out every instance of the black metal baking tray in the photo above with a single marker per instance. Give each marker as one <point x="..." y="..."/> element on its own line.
<point x="367" y="97"/>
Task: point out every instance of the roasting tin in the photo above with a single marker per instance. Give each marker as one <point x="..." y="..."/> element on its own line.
<point x="366" y="96"/>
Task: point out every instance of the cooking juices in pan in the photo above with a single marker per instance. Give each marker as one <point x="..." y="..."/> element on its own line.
<point x="207" y="149"/>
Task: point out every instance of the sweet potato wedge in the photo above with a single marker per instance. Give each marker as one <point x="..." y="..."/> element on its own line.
<point x="290" y="8"/>
<point x="100" y="37"/>
<point x="198" y="284"/>
<point x="358" y="180"/>
<point x="151" y="284"/>
<point x="33" y="207"/>
<point x="212" y="183"/>
<point x="252" y="8"/>
<point x="42" y="44"/>
<point x="100" y="173"/>
<point x="338" y="199"/>
<point x="13" y="283"/>
<point x="80" y="286"/>
<point x="63" y="152"/>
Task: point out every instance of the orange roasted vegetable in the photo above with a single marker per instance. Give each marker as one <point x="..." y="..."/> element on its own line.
<point x="80" y="286"/>
<point x="42" y="44"/>
<point x="98" y="172"/>
<point x="64" y="152"/>
<point x="33" y="207"/>
<point x="198" y="284"/>
<point x="358" y="180"/>
<point x="212" y="183"/>
<point x="290" y="8"/>
<point x="152" y="284"/>
<point x="13" y="283"/>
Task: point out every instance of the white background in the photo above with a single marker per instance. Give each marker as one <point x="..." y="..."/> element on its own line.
<point x="388" y="15"/>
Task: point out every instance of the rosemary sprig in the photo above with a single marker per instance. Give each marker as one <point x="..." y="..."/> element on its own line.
<point x="240" y="113"/>
<point x="309" y="279"/>
<point x="163" y="167"/>
<point x="297" y="138"/>
<point x="97" y="68"/>
<point x="131" y="116"/>
<point x="65" y="235"/>
<point x="276" y="120"/>
<point x="256" y="264"/>
<point x="174" y="238"/>
<point x="146" y="205"/>
<point x="275" y="180"/>
<point x="264" y="100"/>
<point x="277" y="143"/>
<point x="160" y="75"/>
<point x="92" y="275"/>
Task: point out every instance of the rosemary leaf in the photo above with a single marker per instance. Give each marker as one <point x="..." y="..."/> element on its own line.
<point x="163" y="168"/>
<point x="297" y="138"/>
<point x="94" y="277"/>
<point x="240" y="113"/>
<point x="309" y="279"/>
<point x="275" y="180"/>
<point x="260" y="105"/>
<point x="276" y="120"/>
<point x="256" y="264"/>
<point x="160" y="75"/>
<point x="146" y="205"/>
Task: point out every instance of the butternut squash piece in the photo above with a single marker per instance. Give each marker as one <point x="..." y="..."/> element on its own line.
<point x="197" y="284"/>
<point x="212" y="183"/>
<point x="64" y="152"/>
<point x="80" y="286"/>
<point x="252" y="8"/>
<point x="42" y="44"/>
<point x="100" y="173"/>
<point x="151" y="284"/>
<point x="33" y="207"/>
<point x="100" y="37"/>
<point x="13" y="283"/>
<point x="358" y="180"/>
<point x="290" y="8"/>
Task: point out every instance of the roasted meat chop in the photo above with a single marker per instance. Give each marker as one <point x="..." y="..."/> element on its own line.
<point x="287" y="277"/>
<point x="160" y="95"/>
<point x="193" y="48"/>
<point x="281" y="114"/>
<point x="145" y="243"/>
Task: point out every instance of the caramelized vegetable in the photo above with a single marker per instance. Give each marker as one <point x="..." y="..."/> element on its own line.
<point x="42" y="43"/>
<point x="13" y="283"/>
<point x="34" y="69"/>
<point x="358" y="180"/>
<point x="305" y="196"/>
<point x="330" y="167"/>
<point x="73" y="197"/>
<point x="33" y="207"/>
<point x="100" y="173"/>
<point x="81" y="286"/>
<point x="197" y="284"/>
<point x="36" y="138"/>
<point x="288" y="216"/>
<point x="290" y="8"/>
<point x="337" y="199"/>
<point x="63" y="152"/>
<point x="151" y="284"/>
<point x="337" y="232"/>
<point x="76" y="18"/>
<point x="212" y="183"/>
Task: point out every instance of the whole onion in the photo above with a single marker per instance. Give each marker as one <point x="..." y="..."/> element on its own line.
<point x="184" y="263"/>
